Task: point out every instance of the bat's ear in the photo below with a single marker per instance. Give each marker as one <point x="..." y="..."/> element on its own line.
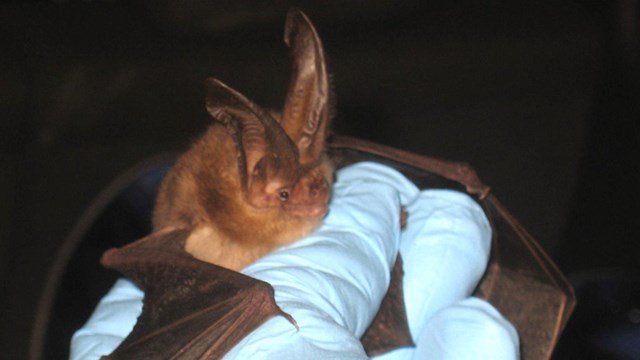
<point x="305" y="115"/>
<point x="265" y="152"/>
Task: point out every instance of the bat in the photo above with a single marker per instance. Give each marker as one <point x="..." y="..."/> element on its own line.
<point x="256" y="181"/>
<point x="253" y="182"/>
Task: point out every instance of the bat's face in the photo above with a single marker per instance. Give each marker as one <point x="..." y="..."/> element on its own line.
<point x="256" y="180"/>
<point x="297" y="192"/>
<point x="309" y="196"/>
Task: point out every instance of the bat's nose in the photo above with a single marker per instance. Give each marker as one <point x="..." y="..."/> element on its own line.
<point x="318" y="188"/>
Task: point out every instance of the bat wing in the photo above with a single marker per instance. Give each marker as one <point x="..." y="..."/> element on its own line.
<point x="390" y="328"/>
<point x="192" y="309"/>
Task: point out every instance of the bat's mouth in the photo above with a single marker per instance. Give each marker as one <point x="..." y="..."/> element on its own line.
<point x="308" y="211"/>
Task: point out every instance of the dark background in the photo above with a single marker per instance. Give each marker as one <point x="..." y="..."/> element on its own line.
<point x="541" y="97"/>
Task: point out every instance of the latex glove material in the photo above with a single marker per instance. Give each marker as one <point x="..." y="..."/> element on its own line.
<point x="445" y="247"/>
<point x="111" y="321"/>
<point x="467" y="330"/>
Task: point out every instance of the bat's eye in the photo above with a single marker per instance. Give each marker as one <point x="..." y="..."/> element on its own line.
<point x="284" y="195"/>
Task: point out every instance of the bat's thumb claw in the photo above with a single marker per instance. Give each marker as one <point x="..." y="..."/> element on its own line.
<point x="291" y="320"/>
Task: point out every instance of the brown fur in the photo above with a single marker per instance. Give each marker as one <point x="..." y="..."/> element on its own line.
<point x="253" y="182"/>
<point x="203" y="192"/>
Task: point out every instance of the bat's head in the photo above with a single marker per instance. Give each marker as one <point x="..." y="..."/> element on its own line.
<point x="281" y="161"/>
<point x="302" y="193"/>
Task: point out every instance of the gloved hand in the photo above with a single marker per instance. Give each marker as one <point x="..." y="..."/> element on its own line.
<point x="445" y="249"/>
<point x="333" y="281"/>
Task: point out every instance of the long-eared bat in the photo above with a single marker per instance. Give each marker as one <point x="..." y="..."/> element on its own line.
<point x="253" y="182"/>
<point x="256" y="181"/>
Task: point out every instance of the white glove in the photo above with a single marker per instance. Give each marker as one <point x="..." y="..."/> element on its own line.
<point x="468" y="330"/>
<point x="332" y="282"/>
<point x="111" y="321"/>
<point x="445" y="248"/>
